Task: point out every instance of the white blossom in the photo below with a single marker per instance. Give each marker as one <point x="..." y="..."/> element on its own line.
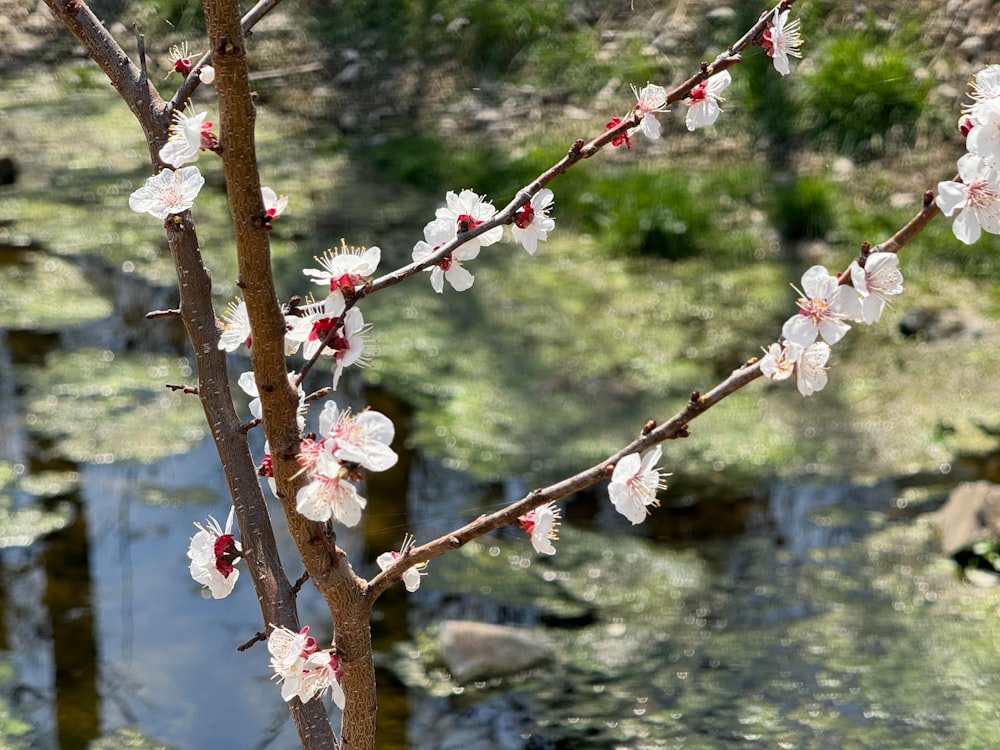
<point x="810" y="369"/>
<point x="532" y="222"/>
<point x="650" y="100"/>
<point x="782" y="39"/>
<point x="703" y="101"/>
<point x="822" y="308"/>
<point x="976" y="199"/>
<point x="878" y="280"/>
<point x="542" y="525"/>
<point x="167" y="192"/>
<point x="213" y="551"/>
<point x="634" y="483"/>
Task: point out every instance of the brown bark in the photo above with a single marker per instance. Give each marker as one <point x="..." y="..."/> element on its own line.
<point x="327" y="565"/>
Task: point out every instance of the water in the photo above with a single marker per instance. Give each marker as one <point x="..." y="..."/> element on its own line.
<point x="830" y="620"/>
<point x="786" y="615"/>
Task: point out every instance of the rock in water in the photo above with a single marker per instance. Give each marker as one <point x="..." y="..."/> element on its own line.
<point x="478" y="651"/>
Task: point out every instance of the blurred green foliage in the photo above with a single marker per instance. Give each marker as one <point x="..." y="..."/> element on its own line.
<point x="804" y="208"/>
<point x="488" y="36"/>
<point x="862" y="94"/>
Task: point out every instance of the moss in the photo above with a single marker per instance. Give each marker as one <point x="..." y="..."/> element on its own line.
<point x="33" y="283"/>
<point x="102" y="406"/>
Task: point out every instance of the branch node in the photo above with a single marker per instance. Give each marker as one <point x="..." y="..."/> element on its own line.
<point x="928" y="198"/>
<point x="257" y="638"/>
<point x="648" y="427"/>
<point x="455" y="542"/>
<point x="140" y="43"/>
<point x="189" y="389"/>
<point x="300" y="582"/>
<point x="317" y="395"/>
<point x="153" y="314"/>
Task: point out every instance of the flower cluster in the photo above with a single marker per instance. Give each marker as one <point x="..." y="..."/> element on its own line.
<point x="976" y="197"/>
<point x="826" y="303"/>
<point x="213" y="551"/>
<point x="334" y="459"/>
<point x="326" y="327"/>
<point x="464" y="212"/>
<point x="808" y="363"/>
<point x="346" y="444"/>
<point x="781" y="40"/>
<point x="304" y="670"/>
<point x="329" y="327"/>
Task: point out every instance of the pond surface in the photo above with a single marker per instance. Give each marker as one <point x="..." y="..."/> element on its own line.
<point x="830" y="621"/>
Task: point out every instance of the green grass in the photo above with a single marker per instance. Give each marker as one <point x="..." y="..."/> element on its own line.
<point x="863" y="95"/>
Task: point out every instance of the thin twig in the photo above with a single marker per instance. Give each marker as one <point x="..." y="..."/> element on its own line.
<point x="153" y="314"/>
<point x="140" y="43"/>
<point x="189" y="389"/>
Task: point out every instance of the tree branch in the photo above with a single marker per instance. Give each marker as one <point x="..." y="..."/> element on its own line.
<point x="192" y="80"/>
<point x="326" y="564"/>
<point x="676" y="426"/>
<point x="129" y="81"/>
<point x="579" y="151"/>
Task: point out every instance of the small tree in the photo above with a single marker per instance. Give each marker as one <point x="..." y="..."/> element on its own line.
<point x="316" y="475"/>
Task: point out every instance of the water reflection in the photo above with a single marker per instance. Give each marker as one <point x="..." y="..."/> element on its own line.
<point x="784" y="615"/>
<point x="68" y="600"/>
<point x="823" y="619"/>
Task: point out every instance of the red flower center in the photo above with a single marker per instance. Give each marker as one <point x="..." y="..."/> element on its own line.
<point x="524" y="216"/>
<point x="208" y="140"/>
<point x="768" y="42"/>
<point x="467" y="222"/>
<point x="345" y="282"/>
<point x="321" y="328"/>
<point x="621" y="137"/>
<point x="225" y="554"/>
